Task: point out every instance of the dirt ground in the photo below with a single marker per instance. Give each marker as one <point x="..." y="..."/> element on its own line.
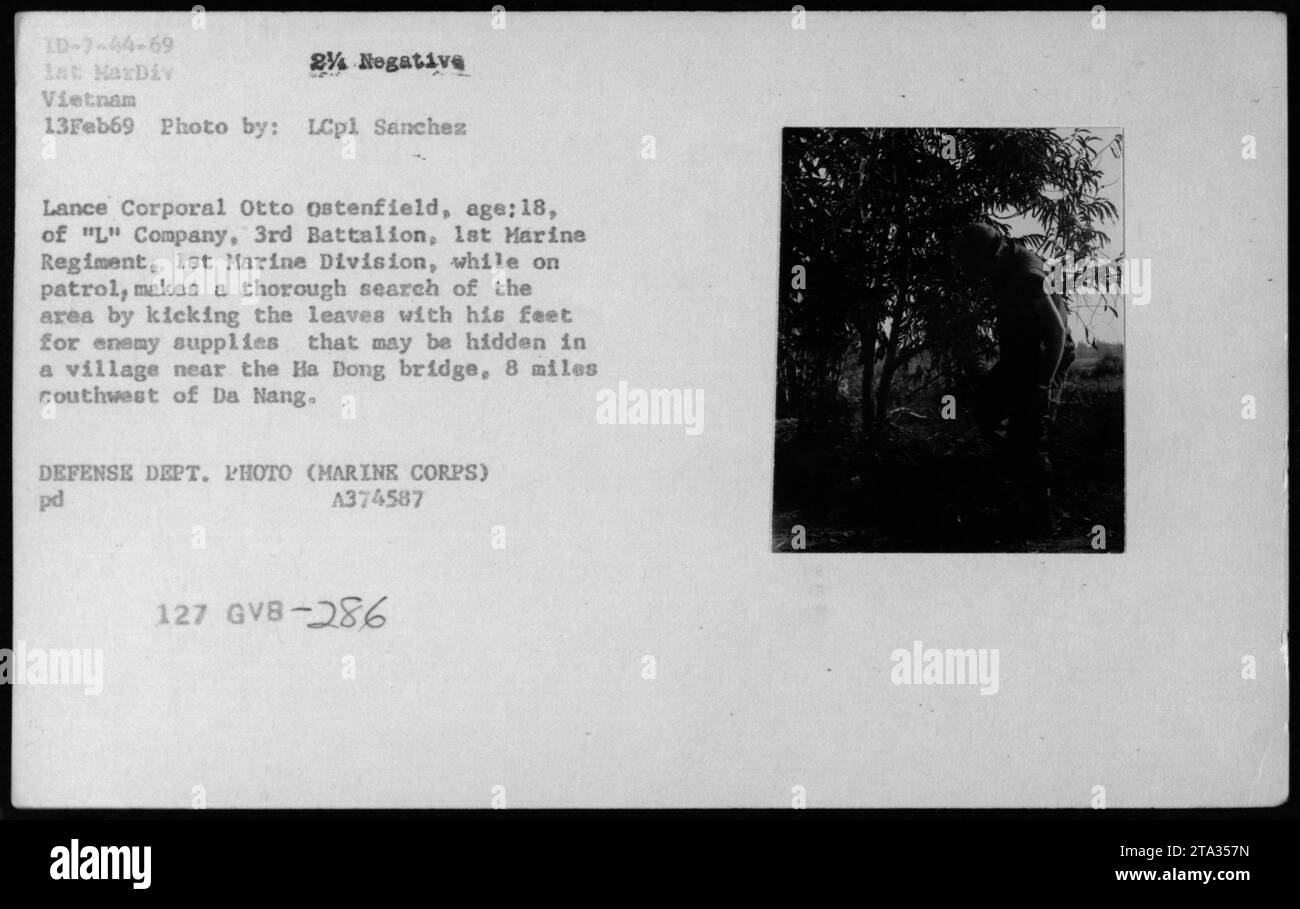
<point x="935" y="485"/>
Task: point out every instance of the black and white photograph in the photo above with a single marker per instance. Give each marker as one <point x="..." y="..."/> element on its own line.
<point x="950" y="368"/>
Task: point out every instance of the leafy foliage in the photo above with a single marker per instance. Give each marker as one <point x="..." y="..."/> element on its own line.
<point x="869" y="215"/>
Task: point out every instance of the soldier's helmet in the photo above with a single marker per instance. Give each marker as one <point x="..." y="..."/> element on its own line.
<point x="975" y="244"/>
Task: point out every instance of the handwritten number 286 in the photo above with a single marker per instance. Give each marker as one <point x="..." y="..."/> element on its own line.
<point x="346" y="613"/>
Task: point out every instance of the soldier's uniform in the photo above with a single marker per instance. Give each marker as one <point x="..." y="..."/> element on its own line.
<point x="1014" y="408"/>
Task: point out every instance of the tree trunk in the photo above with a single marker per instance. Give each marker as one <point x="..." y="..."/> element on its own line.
<point x="866" y="326"/>
<point x="903" y="280"/>
<point x="886" y="376"/>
